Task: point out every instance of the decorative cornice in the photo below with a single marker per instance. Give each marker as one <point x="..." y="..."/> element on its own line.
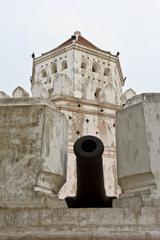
<point x="100" y="105"/>
<point x="85" y="111"/>
<point x="55" y="52"/>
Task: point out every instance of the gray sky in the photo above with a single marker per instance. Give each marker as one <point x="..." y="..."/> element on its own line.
<point x="130" y="27"/>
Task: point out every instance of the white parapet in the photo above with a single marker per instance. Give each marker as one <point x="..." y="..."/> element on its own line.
<point x="3" y="95"/>
<point x="19" y="92"/>
<point x="33" y="152"/>
<point x="138" y="150"/>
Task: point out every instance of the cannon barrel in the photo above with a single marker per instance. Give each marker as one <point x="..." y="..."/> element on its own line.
<point x="90" y="179"/>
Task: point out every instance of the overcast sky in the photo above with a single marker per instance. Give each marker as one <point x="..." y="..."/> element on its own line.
<point x="130" y="27"/>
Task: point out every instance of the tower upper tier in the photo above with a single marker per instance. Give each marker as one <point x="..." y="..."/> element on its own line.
<point x="78" y="68"/>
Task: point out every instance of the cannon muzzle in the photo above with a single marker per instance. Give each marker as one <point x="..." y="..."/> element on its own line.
<point x="90" y="179"/>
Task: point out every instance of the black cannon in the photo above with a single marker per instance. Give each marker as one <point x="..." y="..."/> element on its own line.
<point x="90" y="181"/>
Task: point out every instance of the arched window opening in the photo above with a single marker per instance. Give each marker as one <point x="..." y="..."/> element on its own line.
<point x="64" y="65"/>
<point x="53" y="68"/>
<point x="83" y="65"/>
<point x="106" y="72"/>
<point x="95" y="67"/>
<point x="97" y="93"/>
<point x="43" y="73"/>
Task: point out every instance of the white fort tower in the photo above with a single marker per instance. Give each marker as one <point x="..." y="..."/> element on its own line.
<point x="85" y="83"/>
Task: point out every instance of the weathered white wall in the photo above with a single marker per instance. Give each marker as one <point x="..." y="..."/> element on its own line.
<point x="33" y="152"/>
<point x="53" y="83"/>
<point x="108" y="87"/>
<point x="138" y="148"/>
<point x="86" y="224"/>
<point x="91" y="123"/>
<point x="77" y="81"/>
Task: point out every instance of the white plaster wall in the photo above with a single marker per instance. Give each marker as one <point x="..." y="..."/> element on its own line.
<point x="33" y="152"/>
<point x="138" y="145"/>
<point x="152" y="122"/>
<point x="81" y="82"/>
<point x="88" y="81"/>
<point x="132" y="147"/>
<point x="49" y="82"/>
<point x="99" y="126"/>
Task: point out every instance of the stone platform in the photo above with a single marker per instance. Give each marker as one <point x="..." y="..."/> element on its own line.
<point x="86" y="224"/>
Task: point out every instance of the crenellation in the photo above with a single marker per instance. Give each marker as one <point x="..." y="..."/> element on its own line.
<point x="3" y="95"/>
<point x="19" y="92"/>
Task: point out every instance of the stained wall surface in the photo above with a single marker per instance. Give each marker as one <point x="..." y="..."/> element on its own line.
<point x="33" y="152"/>
<point x="138" y="149"/>
<point x="87" y="224"/>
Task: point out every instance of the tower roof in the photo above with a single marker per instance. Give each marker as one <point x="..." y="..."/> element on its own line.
<point x="79" y="39"/>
